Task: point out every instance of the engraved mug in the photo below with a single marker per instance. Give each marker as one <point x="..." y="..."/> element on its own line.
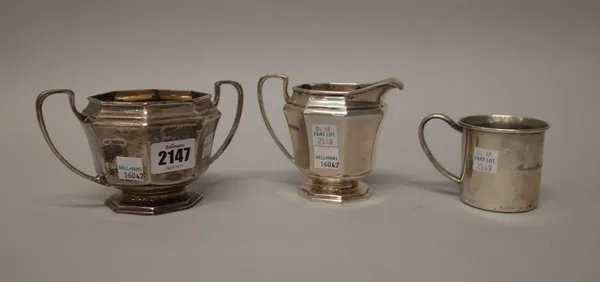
<point x="501" y="160"/>
<point x="150" y="144"/>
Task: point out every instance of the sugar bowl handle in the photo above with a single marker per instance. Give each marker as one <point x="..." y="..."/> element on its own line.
<point x="100" y="178"/>
<point x="286" y="96"/>
<point x="426" y="149"/>
<point x="238" y="114"/>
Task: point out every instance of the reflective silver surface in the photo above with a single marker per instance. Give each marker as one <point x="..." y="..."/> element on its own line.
<point x="334" y="128"/>
<point x="501" y="160"/>
<point x="149" y="144"/>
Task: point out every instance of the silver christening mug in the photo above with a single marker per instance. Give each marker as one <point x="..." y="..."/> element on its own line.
<point x="149" y="144"/>
<point x="333" y="127"/>
<point x="501" y="160"/>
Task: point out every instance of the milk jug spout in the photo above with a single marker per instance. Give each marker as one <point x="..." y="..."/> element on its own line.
<point x="377" y="90"/>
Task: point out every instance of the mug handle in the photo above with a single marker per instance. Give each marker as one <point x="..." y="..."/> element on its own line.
<point x="286" y="97"/>
<point x="100" y="178"/>
<point x="238" y="113"/>
<point x="428" y="153"/>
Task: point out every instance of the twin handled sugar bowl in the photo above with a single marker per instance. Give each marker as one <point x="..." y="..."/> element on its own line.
<point x="150" y="144"/>
<point x="333" y="127"/>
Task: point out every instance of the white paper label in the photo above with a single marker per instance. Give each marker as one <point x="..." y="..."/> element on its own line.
<point x="130" y="168"/>
<point x="485" y="160"/>
<point x="324" y="135"/>
<point x="327" y="157"/>
<point x="173" y="155"/>
<point x="207" y="147"/>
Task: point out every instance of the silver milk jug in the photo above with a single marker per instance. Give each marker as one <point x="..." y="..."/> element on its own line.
<point x="333" y="127"/>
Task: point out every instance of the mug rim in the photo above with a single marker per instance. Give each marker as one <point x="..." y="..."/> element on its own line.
<point x="194" y="96"/>
<point x="471" y="122"/>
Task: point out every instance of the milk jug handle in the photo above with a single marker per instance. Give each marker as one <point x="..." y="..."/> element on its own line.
<point x="428" y="153"/>
<point x="100" y="178"/>
<point x="286" y="96"/>
<point x="238" y="114"/>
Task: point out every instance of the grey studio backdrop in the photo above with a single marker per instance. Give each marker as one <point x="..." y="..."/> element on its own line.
<point x="533" y="58"/>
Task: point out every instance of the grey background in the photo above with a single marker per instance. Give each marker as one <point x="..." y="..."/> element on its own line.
<point x="533" y="58"/>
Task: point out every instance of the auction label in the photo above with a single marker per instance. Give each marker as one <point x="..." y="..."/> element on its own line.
<point x="327" y="157"/>
<point x="485" y="160"/>
<point x="130" y="168"/>
<point x="207" y="147"/>
<point x="324" y="135"/>
<point x="173" y="155"/>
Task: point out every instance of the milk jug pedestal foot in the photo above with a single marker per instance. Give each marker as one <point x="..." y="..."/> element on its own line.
<point x="140" y="204"/>
<point x="335" y="191"/>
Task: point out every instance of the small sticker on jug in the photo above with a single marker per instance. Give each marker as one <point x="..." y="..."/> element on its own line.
<point x="173" y="155"/>
<point x="485" y="160"/>
<point x="324" y="135"/>
<point x="130" y="168"/>
<point x="207" y="146"/>
<point x="326" y="157"/>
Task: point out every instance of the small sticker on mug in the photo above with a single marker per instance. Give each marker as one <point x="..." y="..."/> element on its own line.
<point x="485" y="160"/>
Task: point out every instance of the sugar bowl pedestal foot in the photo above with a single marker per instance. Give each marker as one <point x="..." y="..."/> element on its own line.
<point x="153" y="204"/>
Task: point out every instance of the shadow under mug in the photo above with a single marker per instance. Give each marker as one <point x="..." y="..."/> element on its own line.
<point x="501" y="160"/>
